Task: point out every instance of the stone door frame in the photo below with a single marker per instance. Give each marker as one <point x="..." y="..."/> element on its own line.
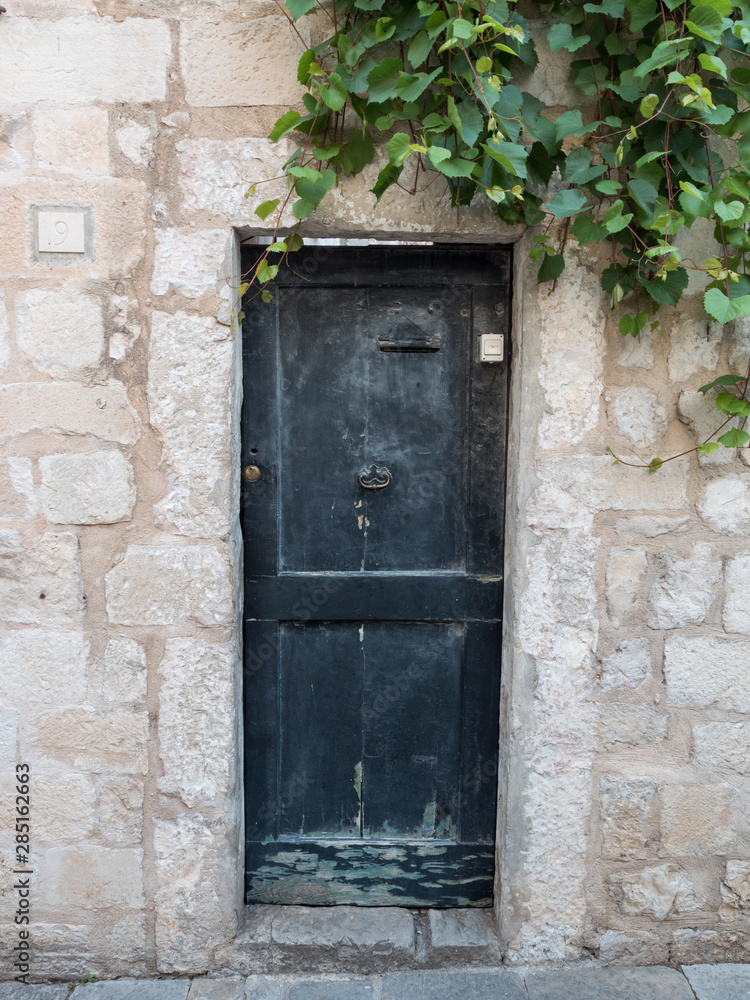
<point x="245" y="917"/>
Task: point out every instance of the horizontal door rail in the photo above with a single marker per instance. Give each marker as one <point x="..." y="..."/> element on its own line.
<point x="373" y="596"/>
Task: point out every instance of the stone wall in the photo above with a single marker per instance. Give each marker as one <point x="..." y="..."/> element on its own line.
<point x="625" y="806"/>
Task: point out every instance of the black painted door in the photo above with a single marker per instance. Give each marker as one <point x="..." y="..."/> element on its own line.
<point x="373" y="525"/>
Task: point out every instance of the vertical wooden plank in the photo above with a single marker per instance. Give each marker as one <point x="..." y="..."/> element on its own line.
<point x="412" y="695"/>
<point x="416" y="427"/>
<point x="261" y="728"/>
<point x="476" y="789"/>
<point x="323" y="417"/>
<point x="321" y="730"/>
<point x="259" y="500"/>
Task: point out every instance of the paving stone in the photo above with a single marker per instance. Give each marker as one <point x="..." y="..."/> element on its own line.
<point x="134" y="989"/>
<point x="263" y="987"/>
<point x="19" y="991"/>
<point x="498" y="984"/>
<point x="353" y="989"/>
<point x="226" y="988"/>
<point x="719" y="982"/>
<point x="656" y="983"/>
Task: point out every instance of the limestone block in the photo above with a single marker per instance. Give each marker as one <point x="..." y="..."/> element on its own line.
<point x="15" y="142"/>
<point x="636" y="352"/>
<point x="685" y="588"/>
<point x="572" y="357"/>
<point x="693" y="346"/>
<point x="641" y="948"/>
<point x="628" y="666"/>
<point x="703" y="671"/>
<point x="558" y="623"/>
<point x="637" y="415"/>
<point x="735" y="891"/>
<point x="695" y="819"/>
<point x="652" y="527"/>
<point x="17" y="494"/>
<point x="216" y="176"/>
<point x="659" y="892"/>
<point x="230" y="63"/>
<point x="4" y="334"/>
<point x="633" y="724"/>
<point x="738" y="337"/>
<point x="196" y="720"/>
<point x="691" y="945"/>
<point x="550" y="508"/>
<point x="120" y="810"/>
<point x="700" y="414"/>
<point x="114" y="742"/>
<point x="45" y="665"/>
<point x="625" y="567"/>
<point x="126" y="326"/>
<point x="736" y="604"/>
<point x="8" y="737"/>
<point x="550" y="81"/>
<point x="77" y="60"/>
<point x="170" y="585"/>
<point x="555" y="893"/>
<point x="42" y="584"/>
<point x="189" y="261"/>
<point x="101" y="947"/>
<point x="121" y="675"/>
<point x="64" y="806"/>
<point x="72" y="139"/>
<point x="61" y="333"/>
<point x="597" y="484"/>
<point x="726" y="504"/>
<point x="96" y="488"/>
<point x="189" y="394"/>
<point x="101" y="411"/>
<point x="629" y="816"/>
<point x="722" y="746"/>
<point x="136" y="141"/>
<point x="93" y="877"/>
<point x="196" y="872"/>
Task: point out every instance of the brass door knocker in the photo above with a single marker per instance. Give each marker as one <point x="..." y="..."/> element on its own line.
<point x="377" y="477"/>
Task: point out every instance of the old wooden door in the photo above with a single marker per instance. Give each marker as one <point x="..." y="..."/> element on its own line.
<point x="372" y="512"/>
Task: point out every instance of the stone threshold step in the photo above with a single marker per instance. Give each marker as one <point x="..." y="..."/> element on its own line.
<point x="355" y="939"/>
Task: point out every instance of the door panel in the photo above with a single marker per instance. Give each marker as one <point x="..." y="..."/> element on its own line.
<point x="372" y="616"/>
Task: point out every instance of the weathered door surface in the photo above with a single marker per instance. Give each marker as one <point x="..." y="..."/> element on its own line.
<point x="373" y="527"/>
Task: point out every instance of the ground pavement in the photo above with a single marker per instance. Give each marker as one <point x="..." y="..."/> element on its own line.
<point x="691" y="982"/>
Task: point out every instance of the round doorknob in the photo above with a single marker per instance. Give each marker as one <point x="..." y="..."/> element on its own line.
<point x="251" y="473"/>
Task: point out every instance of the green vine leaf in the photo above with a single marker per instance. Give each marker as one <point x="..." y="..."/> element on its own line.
<point x="567" y="203"/>
<point x="724" y="309"/>
<point x="297" y="8"/>
<point x="734" y="438"/>
<point x="265" y="208"/>
<point x="721" y="380"/>
<point x="551" y="268"/>
<point x="285" y="124"/>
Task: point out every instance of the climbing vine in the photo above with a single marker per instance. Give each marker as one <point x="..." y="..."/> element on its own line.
<point x="433" y="91"/>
